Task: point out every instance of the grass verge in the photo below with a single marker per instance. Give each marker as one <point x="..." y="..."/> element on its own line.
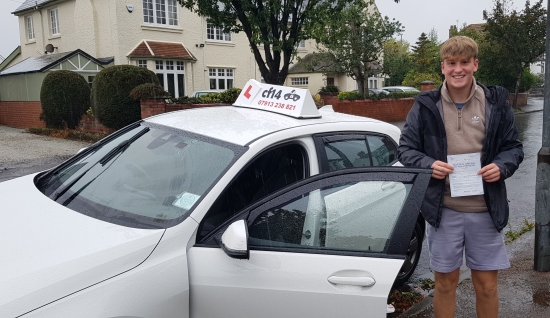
<point x="66" y="134"/>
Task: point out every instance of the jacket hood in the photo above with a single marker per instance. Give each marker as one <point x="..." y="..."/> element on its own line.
<point x="49" y="251"/>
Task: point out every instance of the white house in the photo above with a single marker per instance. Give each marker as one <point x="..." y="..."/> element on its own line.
<point x="185" y="51"/>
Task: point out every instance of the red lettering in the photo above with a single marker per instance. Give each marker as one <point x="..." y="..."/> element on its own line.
<point x="247" y="92"/>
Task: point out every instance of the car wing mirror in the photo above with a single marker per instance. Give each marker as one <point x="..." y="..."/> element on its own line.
<point x="234" y="240"/>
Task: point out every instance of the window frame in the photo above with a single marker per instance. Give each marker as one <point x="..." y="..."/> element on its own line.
<point x="322" y="159"/>
<point x="171" y="66"/>
<point x="54" y="22"/>
<point x="217" y="77"/>
<point x="29" y="23"/>
<point x="160" y="13"/>
<point x="299" y="81"/>
<point x="216" y="32"/>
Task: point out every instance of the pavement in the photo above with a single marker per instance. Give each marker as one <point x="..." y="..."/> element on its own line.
<point x="523" y="292"/>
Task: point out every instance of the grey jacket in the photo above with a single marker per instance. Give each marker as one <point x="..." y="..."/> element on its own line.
<point x="423" y="141"/>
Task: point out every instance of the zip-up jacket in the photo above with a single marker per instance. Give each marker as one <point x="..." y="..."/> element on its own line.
<point x="423" y="141"/>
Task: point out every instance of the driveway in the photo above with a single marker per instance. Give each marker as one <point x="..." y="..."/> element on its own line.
<point x="22" y="153"/>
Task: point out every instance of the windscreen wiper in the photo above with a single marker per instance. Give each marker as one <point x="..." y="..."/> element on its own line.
<point x="121" y="147"/>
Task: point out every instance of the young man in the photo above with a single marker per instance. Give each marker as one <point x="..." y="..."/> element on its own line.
<point x="463" y="117"/>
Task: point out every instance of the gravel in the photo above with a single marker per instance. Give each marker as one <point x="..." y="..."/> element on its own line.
<point x="18" y="146"/>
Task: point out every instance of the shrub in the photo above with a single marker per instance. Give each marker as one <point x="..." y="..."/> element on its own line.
<point x="349" y="96"/>
<point x="329" y="89"/>
<point x="414" y="79"/>
<point x="148" y="90"/>
<point x="65" y="97"/>
<point x="227" y="97"/>
<point x="111" y="101"/>
<point x="398" y="95"/>
<point x="527" y="81"/>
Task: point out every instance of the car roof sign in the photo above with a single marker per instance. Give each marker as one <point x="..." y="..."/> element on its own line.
<point x="290" y="101"/>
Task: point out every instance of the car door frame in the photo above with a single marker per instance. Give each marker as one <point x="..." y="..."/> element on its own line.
<point x="397" y="244"/>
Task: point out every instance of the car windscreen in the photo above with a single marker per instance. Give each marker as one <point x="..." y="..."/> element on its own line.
<point x="147" y="176"/>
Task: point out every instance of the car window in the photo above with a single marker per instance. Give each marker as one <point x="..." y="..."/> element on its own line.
<point x="150" y="176"/>
<point x="271" y="171"/>
<point x="354" y="151"/>
<point x="354" y="216"/>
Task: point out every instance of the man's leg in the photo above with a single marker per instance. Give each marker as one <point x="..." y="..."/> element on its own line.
<point x="485" y="285"/>
<point x="445" y="293"/>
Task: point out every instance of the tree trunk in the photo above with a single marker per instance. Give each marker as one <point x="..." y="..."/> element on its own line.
<point x="516" y="91"/>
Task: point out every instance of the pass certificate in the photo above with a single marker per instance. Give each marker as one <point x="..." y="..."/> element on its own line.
<point x="464" y="178"/>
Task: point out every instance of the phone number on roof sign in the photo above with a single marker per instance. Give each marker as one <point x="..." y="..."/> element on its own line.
<point x="276" y="105"/>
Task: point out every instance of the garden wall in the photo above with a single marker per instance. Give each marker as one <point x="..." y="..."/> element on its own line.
<point x="388" y="110"/>
<point x="21" y="114"/>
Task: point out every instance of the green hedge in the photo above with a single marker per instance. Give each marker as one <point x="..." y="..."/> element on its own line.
<point x="65" y="97"/>
<point x="356" y="96"/>
<point x="227" y="97"/>
<point x="111" y="88"/>
<point x="148" y="90"/>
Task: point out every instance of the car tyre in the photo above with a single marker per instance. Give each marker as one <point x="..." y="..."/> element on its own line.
<point x="413" y="254"/>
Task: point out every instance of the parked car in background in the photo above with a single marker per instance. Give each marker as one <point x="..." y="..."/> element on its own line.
<point x="378" y="91"/>
<point x="198" y="94"/>
<point x="217" y="212"/>
<point x="392" y="89"/>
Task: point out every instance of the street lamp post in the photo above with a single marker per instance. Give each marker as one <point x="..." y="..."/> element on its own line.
<point x="542" y="196"/>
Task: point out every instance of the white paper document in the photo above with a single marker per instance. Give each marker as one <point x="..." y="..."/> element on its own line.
<point x="464" y="178"/>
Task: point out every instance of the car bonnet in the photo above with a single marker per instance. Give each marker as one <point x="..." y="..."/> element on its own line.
<point x="49" y="251"/>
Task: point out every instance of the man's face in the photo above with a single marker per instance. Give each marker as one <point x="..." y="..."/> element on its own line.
<point x="459" y="72"/>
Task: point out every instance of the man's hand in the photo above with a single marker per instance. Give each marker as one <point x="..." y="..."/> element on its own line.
<point x="490" y="173"/>
<point x="441" y="169"/>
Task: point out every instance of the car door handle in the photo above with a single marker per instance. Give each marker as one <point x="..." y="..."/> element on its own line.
<point x="354" y="281"/>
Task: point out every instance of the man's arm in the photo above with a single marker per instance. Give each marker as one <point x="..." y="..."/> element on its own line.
<point x="411" y="143"/>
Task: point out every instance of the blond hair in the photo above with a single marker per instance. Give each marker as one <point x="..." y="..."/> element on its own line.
<point x="459" y="47"/>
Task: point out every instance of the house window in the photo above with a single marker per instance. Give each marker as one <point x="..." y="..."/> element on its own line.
<point x="171" y="75"/>
<point x="142" y="63"/>
<point x="301" y="44"/>
<point x="221" y="78"/>
<point x="215" y="33"/>
<point x="164" y="12"/>
<point x="54" y="20"/>
<point x="299" y="81"/>
<point x="373" y="83"/>
<point x="330" y="81"/>
<point x="30" y="28"/>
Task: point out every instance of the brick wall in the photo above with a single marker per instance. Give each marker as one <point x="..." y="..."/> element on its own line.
<point x="21" y="114"/>
<point x="90" y="124"/>
<point x="388" y="110"/>
<point x="151" y="107"/>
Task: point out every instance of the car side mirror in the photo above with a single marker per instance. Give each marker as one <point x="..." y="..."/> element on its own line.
<point x="234" y="240"/>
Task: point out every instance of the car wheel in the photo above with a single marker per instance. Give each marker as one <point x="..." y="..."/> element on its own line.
<point x="413" y="254"/>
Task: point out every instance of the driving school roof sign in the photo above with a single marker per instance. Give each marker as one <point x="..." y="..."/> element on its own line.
<point x="290" y="101"/>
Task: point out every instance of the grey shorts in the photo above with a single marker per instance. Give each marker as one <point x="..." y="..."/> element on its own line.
<point x="473" y="234"/>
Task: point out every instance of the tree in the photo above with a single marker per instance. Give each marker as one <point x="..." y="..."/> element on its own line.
<point x="354" y="41"/>
<point x="397" y="61"/>
<point x="65" y="97"/>
<point x="515" y="40"/>
<point x="426" y="54"/>
<point x="273" y="27"/>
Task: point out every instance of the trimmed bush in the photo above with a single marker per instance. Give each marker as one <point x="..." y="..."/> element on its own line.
<point x="227" y="97"/>
<point x="527" y="81"/>
<point x="414" y="79"/>
<point x="148" y="90"/>
<point x="111" y="101"/>
<point x="65" y="97"/>
<point x="349" y="96"/>
<point x="329" y="89"/>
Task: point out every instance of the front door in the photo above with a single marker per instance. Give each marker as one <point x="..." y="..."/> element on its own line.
<point x="327" y="246"/>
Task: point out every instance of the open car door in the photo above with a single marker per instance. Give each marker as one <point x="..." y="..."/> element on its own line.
<point x="327" y="246"/>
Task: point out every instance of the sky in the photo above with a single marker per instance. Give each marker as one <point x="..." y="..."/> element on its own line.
<point x="416" y="15"/>
<point x="419" y="16"/>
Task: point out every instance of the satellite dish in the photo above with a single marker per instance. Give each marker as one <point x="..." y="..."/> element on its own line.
<point x="50" y="48"/>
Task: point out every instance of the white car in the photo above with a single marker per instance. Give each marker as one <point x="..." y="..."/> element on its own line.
<point x="393" y="89"/>
<point x="216" y="212"/>
<point x="198" y="94"/>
